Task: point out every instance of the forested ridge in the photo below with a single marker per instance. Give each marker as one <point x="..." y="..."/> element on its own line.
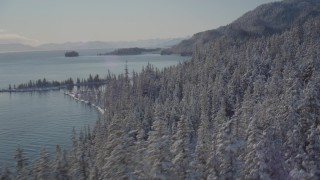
<point x="244" y="108"/>
<point x="265" y="20"/>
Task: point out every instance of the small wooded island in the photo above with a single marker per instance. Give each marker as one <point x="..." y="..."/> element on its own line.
<point x="71" y="54"/>
<point x="132" y="51"/>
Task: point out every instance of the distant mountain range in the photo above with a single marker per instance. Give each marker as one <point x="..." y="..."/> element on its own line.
<point x="265" y="20"/>
<point x="152" y="43"/>
<point x="16" y="47"/>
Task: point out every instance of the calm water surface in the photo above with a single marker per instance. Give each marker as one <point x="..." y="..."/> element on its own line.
<point x="36" y="120"/>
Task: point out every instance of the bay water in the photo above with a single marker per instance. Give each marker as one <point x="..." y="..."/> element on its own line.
<point x="35" y="120"/>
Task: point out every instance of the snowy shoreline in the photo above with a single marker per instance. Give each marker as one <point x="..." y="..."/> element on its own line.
<point x="74" y="96"/>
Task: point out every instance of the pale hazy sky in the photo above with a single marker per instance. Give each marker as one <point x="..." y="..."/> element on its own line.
<point x="44" y="21"/>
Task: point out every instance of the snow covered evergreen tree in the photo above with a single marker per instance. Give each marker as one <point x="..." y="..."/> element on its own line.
<point x="158" y="150"/>
<point x="182" y="149"/>
<point x="6" y="173"/>
<point x="41" y="169"/>
<point x="21" y="171"/>
<point x="246" y="106"/>
<point x="60" y="166"/>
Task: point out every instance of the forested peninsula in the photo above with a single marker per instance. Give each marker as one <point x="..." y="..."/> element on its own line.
<point x="132" y="51"/>
<point x="45" y="85"/>
<point x="246" y="106"/>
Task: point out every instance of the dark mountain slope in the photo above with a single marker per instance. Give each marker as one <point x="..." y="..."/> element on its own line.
<point x="265" y="20"/>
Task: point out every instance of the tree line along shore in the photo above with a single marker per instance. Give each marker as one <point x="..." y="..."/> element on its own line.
<point x="45" y="85"/>
<point x="246" y="106"/>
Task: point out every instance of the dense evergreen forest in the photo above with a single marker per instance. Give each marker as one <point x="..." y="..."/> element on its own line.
<point x="242" y="108"/>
